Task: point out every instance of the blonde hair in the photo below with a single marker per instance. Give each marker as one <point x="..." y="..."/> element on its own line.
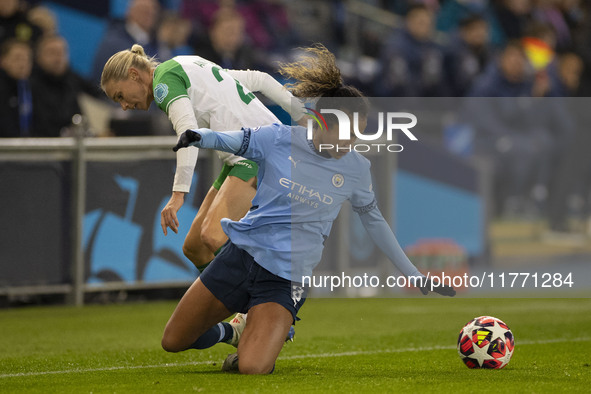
<point x="117" y="67"/>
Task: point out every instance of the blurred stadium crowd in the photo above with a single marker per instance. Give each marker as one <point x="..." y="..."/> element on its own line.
<point x="387" y="48"/>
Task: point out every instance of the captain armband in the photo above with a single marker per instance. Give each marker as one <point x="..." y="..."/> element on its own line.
<point x="365" y="208"/>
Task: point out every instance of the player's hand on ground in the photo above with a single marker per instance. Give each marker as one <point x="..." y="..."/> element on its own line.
<point x="438" y="288"/>
<point x="186" y="139"/>
<point x="168" y="216"/>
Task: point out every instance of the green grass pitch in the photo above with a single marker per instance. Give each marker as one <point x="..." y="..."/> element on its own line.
<point x="342" y="345"/>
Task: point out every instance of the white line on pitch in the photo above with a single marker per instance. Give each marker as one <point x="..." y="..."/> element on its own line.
<point x="294" y="357"/>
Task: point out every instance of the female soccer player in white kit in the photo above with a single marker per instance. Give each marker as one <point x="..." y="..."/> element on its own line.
<point x="194" y="93"/>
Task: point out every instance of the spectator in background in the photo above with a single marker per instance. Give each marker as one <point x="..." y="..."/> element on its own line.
<point x="173" y="35"/>
<point x="44" y="19"/>
<point x="573" y="166"/>
<point x="55" y="88"/>
<point x="201" y="12"/>
<point x="545" y="36"/>
<point x="514" y="132"/>
<point x="570" y="185"/>
<point x="509" y="76"/>
<point x="14" y="23"/>
<point x="467" y="55"/>
<point x="16" y="105"/>
<point x="139" y="27"/>
<point x="513" y="17"/>
<point x="565" y="75"/>
<point x="539" y="43"/>
<point x="498" y="135"/>
<point x="269" y="28"/>
<point x="412" y="62"/>
<point x="549" y="12"/>
<point x="225" y="44"/>
<point x="453" y="12"/>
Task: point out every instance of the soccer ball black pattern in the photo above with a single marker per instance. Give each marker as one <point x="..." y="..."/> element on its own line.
<point x="486" y="342"/>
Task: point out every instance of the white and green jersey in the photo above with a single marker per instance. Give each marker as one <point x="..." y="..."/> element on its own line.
<point x="195" y="92"/>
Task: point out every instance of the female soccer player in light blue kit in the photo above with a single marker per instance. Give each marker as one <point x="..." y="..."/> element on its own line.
<point x="301" y="189"/>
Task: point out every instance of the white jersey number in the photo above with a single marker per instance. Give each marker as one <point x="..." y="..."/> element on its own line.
<point x="246" y="98"/>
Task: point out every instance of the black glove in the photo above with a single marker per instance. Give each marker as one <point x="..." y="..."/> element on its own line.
<point x="444" y="290"/>
<point x="186" y="139"/>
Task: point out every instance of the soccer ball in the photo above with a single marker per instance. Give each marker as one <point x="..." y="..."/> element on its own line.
<point x="486" y="342"/>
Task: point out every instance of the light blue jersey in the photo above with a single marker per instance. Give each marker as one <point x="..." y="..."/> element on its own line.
<point x="299" y="195"/>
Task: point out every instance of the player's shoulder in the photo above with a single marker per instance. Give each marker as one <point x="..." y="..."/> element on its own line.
<point x="299" y="131"/>
<point x="191" y="60"/>
<point x="359" y="160"/>
<point x="169" y="83"/>
<point x="274" y="133"/>
<point x="182" y="65"/>
<point x="166" y="67"/>
<point x="355" y="165"/>
<point x="169" y="71"/>
<point x="275" y="129"/>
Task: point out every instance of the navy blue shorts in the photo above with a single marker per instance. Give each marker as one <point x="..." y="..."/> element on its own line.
<point x="240" y="283"/>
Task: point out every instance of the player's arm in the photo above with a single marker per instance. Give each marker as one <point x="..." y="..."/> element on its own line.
<point x="253" y="144"/>
<point x="227" y="141"/>
<point x="381" y="233"/>
<point x="170" y="94"/>
<point x="181" y="115"/>
<point x="258" y="81"/>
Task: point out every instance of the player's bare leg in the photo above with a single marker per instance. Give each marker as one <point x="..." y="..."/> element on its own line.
<point x="193" y="247"/>
<point x="233" y="201"/>
<point x="206" y="236"/>
<point x="263" y="337"/>
<point x="198" y="311"/>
